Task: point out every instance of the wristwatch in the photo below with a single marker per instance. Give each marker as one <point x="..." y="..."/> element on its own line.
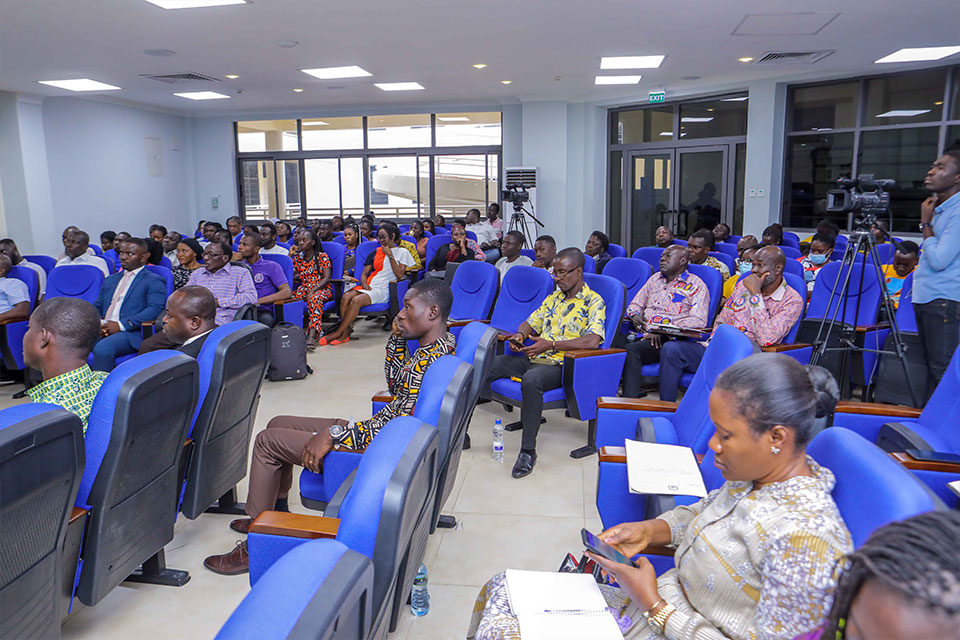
<point x="337" y="430"/>
<point x="924" y="225"/>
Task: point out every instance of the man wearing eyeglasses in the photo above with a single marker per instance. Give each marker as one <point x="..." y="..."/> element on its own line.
<point x="230" y="284"/>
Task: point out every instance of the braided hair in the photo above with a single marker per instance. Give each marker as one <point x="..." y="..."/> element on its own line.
<point x="317" y="247"/>
<point x="916" y="558"/>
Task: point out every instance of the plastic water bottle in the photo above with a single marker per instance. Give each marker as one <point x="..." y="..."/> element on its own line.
<point x="419" y="596"/>
<point x="498" y="441"/>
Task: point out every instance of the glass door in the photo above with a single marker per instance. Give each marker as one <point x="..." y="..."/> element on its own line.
<point x="701" y="180"/>
<point x="649" y="197"/>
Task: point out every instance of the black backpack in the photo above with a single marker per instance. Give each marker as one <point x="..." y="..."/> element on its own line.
<point x="288" y="353"/>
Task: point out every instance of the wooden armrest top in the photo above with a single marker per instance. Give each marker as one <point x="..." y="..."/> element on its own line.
<point x="343" y="449"/>
<point x="778" y="348"/>
<point x="657" y="550"/>
<point x="15" y="319"/>
<point x="148" y="323"/>
<point x="287" y="301"/>
<point x="635" y="404"/>
<point x="872" y="327"/>
<point x="877" y="409"/>
<point x="383" y="396"/>
<point x="76" y="514"/>
<point x="295" y="525"/>
<point x="188" y="442"/>
<point x="913" y="464"/>
<point x="586" y="353"/>
<point x="616" y="455"/>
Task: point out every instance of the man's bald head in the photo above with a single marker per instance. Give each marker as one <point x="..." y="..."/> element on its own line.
<point x="195" y="301"/>
<point x="772" y="253"/>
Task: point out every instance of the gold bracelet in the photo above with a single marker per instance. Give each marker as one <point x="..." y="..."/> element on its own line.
<point x="646" y="614"/>
<point x="659" y="621"/>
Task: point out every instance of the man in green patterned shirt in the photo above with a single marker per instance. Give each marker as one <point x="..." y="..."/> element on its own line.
<point x="570" y="319"/>
<point x="59" y="340"/>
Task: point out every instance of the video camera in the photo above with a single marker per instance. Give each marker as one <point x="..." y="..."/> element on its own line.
<point x="863" y="195"/>
<point x="515" y="194"/>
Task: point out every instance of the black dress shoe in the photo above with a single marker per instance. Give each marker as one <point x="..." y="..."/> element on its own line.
<point x="466" y="441"/>
<point x="524" y="465"/>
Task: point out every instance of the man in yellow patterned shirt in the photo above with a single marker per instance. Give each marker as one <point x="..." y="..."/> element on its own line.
<point x="570" y="319"/>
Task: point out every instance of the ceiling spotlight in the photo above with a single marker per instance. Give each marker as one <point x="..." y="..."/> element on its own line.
<point x="298" y="90"/>
<point x="80" y="84"/>
<point x="745" y="59"/>
<point x="616" y="79"/>
<point x="328" y="73"/>
<point x="479" y="65"/>
<point x="201" y="95"/>
<point x="938" y="103"/>
<point x="193" y="4"/>
<point x="506" y="81"/>
<point x="231" y="76"/>
<point x="399" y="86"/>
<point x="631" y="62"/>
<point x="918" y="54"/>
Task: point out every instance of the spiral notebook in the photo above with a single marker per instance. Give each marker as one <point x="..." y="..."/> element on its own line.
<point x="560" y="606"/>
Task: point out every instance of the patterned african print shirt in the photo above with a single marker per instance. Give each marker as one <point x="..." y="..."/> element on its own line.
<point x="764" y="319"/>
<point x="412" y="248"/>
<point x="561" y="319"/>
<point x="683" y="302"/>
<point x="719" y="266"/>
<point x="74" y="391"/>
<point x="404" y="375"/>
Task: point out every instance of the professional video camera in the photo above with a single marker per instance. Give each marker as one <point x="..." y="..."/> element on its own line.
<point x="516" y="194"/>
<point x="863" y="195"/>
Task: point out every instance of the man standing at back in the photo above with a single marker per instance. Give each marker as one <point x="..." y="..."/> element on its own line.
<point x="127" y="299"/>
<point x="76" y="248"/>
<point x="230" y="284"/>
<point x="936" y="282"/>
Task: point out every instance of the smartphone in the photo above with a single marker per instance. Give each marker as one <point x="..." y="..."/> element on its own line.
<point x="601" y="548"/>
<point x="516" y="343"/>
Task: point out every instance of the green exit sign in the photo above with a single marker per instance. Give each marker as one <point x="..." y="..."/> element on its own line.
<point x="658" y="96"/>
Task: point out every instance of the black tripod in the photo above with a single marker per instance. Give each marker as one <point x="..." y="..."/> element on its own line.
<point x="863" y="239"/>
<point x="518" y="222"/>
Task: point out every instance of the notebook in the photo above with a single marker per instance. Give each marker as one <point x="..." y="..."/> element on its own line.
<point x="560" y="606"/>
<point x="664" y="469"/>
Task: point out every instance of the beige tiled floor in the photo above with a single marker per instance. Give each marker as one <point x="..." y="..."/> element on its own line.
<point x="525" y="524"/>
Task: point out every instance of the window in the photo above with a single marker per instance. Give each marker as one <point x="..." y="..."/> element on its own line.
<point x="906" y="98"/>
<point x="904" y="155"/>
<point x="468" y="129"/>
<point x="267" y="135"/>
<point x="814" y="164"/>
<point x="714" y="119"/>
<point x="826" y="107"/>
<point x="329" y="134"/>
<point x="396" y="188"/>
<point x="395" y="132"/>
<point x="465" y="182"/>
<point x="643" y="125"/>
<point x="322" y="179"/>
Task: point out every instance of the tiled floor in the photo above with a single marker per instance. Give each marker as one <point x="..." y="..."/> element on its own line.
<point x="525" y="524"/>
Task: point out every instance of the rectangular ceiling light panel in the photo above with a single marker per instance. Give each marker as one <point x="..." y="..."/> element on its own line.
<point x="193" y="4"/>
<point x="631" y="62"/>
<point x="690" y="119"/>
<point x="617" y="79"/>
<point x="919" y="54"/>
<point x="333" y="73"/>
<point x="80" y="84"/>
<point x="201" y="95"/>
<point x="399" y="86"/>
<point x="903" y="113"/>
<point x="453" y="119"/>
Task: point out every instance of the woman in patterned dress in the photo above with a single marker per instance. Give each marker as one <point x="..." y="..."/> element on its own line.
<point x="312" y="267"/>
<point x="758" y="558"/>
<point x="188" y="259"/>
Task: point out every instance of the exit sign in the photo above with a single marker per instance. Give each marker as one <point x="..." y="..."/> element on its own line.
<point x="658" y="96"/>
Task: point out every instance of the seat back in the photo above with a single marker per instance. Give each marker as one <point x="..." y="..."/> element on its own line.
<point x="791" y="239"/>
<point x="650" y="255"/>
<point x="112" y="254"/>
<point x="433" y="245"/>
<point x="614" y="299"/>
<point x="589" y="264"/>
<point x="75" y="281"/>
<point x="130" y="483"/>
<point x="46" y="262"/>
<point x="794" y="267"/>
<point x="164" y="273"/>
<point x="474" y="289"/>
<point x="725" y="259"/>
<point x="714" y="281"/>
<point x="729" y="249"/>
<point x="165" y="263"/>
<point x="285" y="263"/>
<point x="11" y="348"/>
<point x="940" y="412"/>
<point x="111" y="263"/>
<point x="29" y="277"/>
<point x="232" y="362"/>
<point x="364" y="249"/>
<point x="477" y="345"/>
<point x="336" y="252"/>
<point x="522" y="292"/>
<point x="633" y="273"/>
<point x="824" y="300"/>
<point x="872" y="489"/>
<point x="906" y="319"/>
<point x="616" y="251"/>
<point x="319" y="590"/>
<point x="41" y="459"/>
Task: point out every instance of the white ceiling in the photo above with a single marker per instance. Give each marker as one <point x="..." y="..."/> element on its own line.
<point x="550" y="49"/>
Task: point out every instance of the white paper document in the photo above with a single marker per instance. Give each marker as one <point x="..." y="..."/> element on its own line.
<point x="663" y="468"/>
<point x="560" y="606"/>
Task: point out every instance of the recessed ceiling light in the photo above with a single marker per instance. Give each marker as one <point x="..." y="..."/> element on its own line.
<point x="479" y="65"/>
<point x="80" y="84"/>
<point x="399" y="86"/>
<point x="711" y="109"/>
<point x="740" y="99"/>
<point x="453" y="119"/>
<point x="201" y="95"/>
<point x="631" y="62"/>
<point x="327" y="73"/>
<point x="298" y="90"/>
<point x="938" y="103"/>
<point x="193" y="4"/>
<point x="745" y="59"/>
<point x="231" y="76"/>
<point x="902" y="113"/>
<point x="918" y="54"/>
<point x="160" y="53"/>
<point x="617" y="79"/>
<point x="506" y="81"/>
<point x="689" y="119"/>
<point x="287" y="44"/>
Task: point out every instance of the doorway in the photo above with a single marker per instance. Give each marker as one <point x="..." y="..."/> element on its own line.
<point x="270" y="189"/>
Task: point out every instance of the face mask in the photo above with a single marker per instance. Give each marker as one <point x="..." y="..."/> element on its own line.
<point x="745" y="267"/>
<point x="818" y="258"/>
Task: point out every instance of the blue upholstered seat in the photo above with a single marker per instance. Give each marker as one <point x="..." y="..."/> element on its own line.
<point x="75" y="281"/>
<point x="46" y="262"/>
<point x="11" y="333"/>
<point x="522" y="292"/>
<point x="650" y="255"/>
<point x="474" y="287"/>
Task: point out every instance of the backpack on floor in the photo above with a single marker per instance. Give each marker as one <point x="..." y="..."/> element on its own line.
<point x="288" y="353"/>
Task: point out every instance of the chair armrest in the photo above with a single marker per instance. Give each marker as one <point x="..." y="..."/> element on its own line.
<point x="586" y="353"/>
<point x="616" y="455"/>
<point x="148" y="323"/>
<point x="872" y="327"/>
<point x="348" y="449"/>
<point x="77" y="513"/>
<point x="463" y="323"/>
<point x="382" y="396"/>
<point x="877" y="409"/>
<point x="913" y="464"/>
<point x="12" y="320"/>
<point x="635" y="404"/>
<point x="780" y="348"/>
<point x="295" y="525"/>
<point x="657" y="550"/>
<point x="287" y="301"/>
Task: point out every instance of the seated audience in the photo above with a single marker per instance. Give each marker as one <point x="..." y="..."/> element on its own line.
<point x="721" y="232"/>
<point x="429" y="226"/>
<point x="486" y="235"/>
<point x="417" y="233"/>
<point x="234" y="227"/>
<point x="122" y="236"/>
<point x="293" y="440"/>
<point x="230" y="284"/>
<point x="458" y="251"/>
<point x="66" y="234"/>
<point x="268" y="278"/>
<point x="384" y="266"/>
<point x="170" y="242"/>
<point x="154" y="251"/>
<point x="880" y="231"/>
<point x="284" y="232"/>
<point x="494" y="219"/>
<point x="746" y="249"/>
<point x="756" y="558"/>
<point x="820" y="249"/>
<point x="366" y="230"/>
<point x="60" y="337"/>
<point x="671" y="296"/>
<point x="14" y="293"/>
<point x="512" y="244"/>
<point x="699" y="247"/>
<point x="663" y="237"/>
<point x="324" y="231"/>
<point x="127" y="299"/>
<point x="312" y="268"/>
<point x="210" y="229"/>
<point x="479" y="254"/>
<point x="825" y="226"/>
<point x="414" y="253"/>
<point x="440" y="222"/>
<point x="268" y="236"/>
<point x="107" y="239"/>
<point x="763" y="307"/>
<point x="189" y="253"/>
<point x="596" y="248"/>
<point x="9" y="248"/>
<point x="903" y="583"/>
<point x="351" y="239"/>
<point x="570" y="319"/>
<point x="302" y="223"/>
<point x="198" y="233"/>
<point x="337" y="223"/>
<point x="76" y="249"/>
<point x="904" y="262"/>
<point x="157" y="233"/>
<point x="772" y="235"/>
<point x="545" y="249"/>
<point x="191" y="315"/>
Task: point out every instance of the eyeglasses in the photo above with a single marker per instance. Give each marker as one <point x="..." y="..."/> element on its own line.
<point x="560" y="273"/>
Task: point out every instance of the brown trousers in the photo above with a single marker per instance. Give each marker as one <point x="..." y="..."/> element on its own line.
<point x="275" y="450"/>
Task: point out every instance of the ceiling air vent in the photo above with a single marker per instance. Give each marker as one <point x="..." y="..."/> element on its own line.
<point x="792" y="57"/>
<point x="179" y="78"/>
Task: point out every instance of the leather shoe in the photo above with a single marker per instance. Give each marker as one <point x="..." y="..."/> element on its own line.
<point x="241" y="525"/>
<point x="466" y="441"/>
<point x="524" y="465"/>
<point x="232" y="563"/>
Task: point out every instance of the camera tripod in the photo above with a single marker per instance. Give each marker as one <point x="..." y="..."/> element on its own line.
<point x="864" y="239"/>
<point x="518" y="222"/>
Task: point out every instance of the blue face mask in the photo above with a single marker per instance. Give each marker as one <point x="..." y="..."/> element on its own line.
<point x="818" y="258"/>
<point x="745" y="267"/>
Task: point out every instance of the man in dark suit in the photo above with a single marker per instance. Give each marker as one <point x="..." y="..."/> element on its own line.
<point x="127" y="299"/>
<point x="191" y="316"/>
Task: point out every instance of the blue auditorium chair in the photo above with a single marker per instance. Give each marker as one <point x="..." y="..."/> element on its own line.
<point x="680" y="241"/>
<point x="75" y="281"/>
<point x="46" y="262"/>
<point x="433" y="245"/>
<point x="41" y="461"/>
<point x="391" y="492"/>
<point x="729" y="249"/>
<point x="474" y="285"/>
<point x="112" y="265"/>
<point x="398" y="289"/>
<point x="650" y="255"/>
<point x="336" y="238"/>
<point x="408" y="238"/>
<point x="134" y="445"/>
<point x="336" y="251"/>
<point x="725" y="259"/>
<point x="321" y="590"/>
<point x="530" y="253"/>
<point x="165" y="263"/>
<point x="792" y="253"/>
<point x="791" y="239"/>
<point x="12" y="330"/>
<point x="290" y="310"/>
<point x="233" y="362"/>
<point x="164" y="273"/>
<point x="589" y="264"/>
<point x="97" y="249"/>
<point x="633" y="273"/>
<point x="616" y="251"/>
<point x="404" y="228"/>
<point x="522" y="292"/>
<point x="472" y="235"/>
<point x="587" y="374"/>
<point x="794" y="267"/>
<point x="112" y="254"/>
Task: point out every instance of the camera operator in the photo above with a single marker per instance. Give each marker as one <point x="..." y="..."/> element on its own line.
<point x="936" y="282"/>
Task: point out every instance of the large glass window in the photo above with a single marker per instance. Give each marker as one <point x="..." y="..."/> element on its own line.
<point x="905" y="98"/>
<point x="267" y="135"/>
<point x="465" y="182"/>
<point x="904" y="155"/>
<point x="395" y="187"/>
<point x="714" y="118"/>
<point x="468" y="129"/>
<point x="814" y="164"/>
<point x="643" y="125"/>
<point x="330" y="134"/>
<point x="322" y="180"/>
<point x="395" y="132"/>
<point x="825" y="107"/>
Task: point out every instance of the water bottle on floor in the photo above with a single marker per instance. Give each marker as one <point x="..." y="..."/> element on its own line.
<point x="419" y="597"/>
<point x="498" y="441"/>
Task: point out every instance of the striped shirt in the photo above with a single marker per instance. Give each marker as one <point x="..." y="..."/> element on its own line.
<point x="231" y="285"/>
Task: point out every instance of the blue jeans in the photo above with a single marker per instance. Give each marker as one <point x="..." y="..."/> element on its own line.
<point x="676" y="358"/>
<point x="938" y="323"/>
<point x="106" y="351"/>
